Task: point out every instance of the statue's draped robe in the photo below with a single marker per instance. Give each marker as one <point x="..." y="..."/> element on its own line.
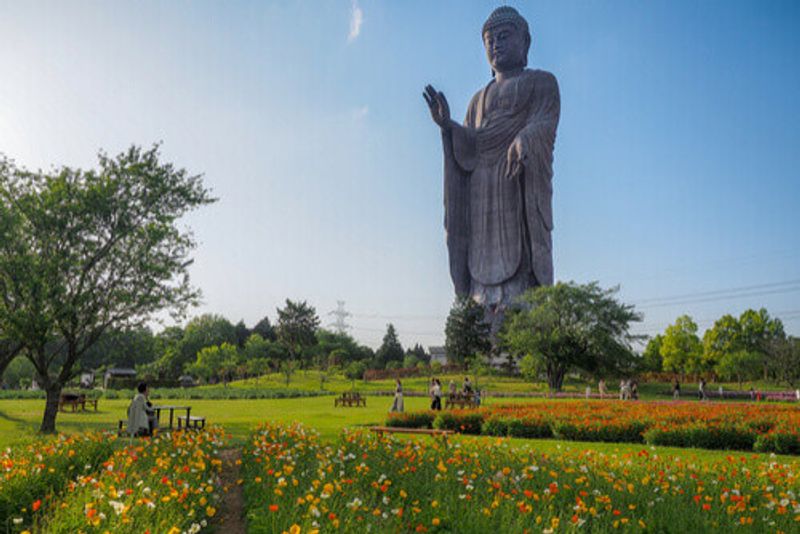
<point x="498" y="228"/>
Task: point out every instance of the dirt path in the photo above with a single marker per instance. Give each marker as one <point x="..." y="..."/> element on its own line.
<point x="231" y="519"/>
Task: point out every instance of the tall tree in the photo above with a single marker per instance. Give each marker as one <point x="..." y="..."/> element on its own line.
<point x="390" y="350"/>
<point x="571" y="326"/>
<point x="242" y="333"/>
<point x="467" y="334"/>
<point x="121" y="348"/>
<point x="82" y="252"/>
<point x="784" y="360"/>
<point x="264" y="329"/>
<point x="203" y="331"/>
<point x="681" y="349"/>
<point x="758" y="332"/>
<point x="721" y="340"/>
<point x="297" y="327"/>
<point x="651" y="357"/>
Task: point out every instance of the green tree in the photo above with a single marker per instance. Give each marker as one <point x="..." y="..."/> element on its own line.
<point x="467" y="334"/>
<point x="569" y="326"/>
<point x="721" y="340"/>
<point x="739" y="364"/>
<point x="242" y="333"/>
<point x="784" y="360"/>
<point x="297" y="327"/>
<point x="8" y="352"/>
<point x="355" y="371"/>
<point x="18" y="372"/>
<point x="121" y="348"/>
<point x="758" y="332"/>
<point x="206" y="330"/>
<point x="651" y="357"/>
<point x="419" y="351"/>
<point x="390" y="350"/>
<point x="532" y="368"/>
<point x="681" y="350"/>
<point x="264" y="329"/>
<point x="83" y="252"/>
<point x="288" y="368"/>
<point x="216" y="361"/>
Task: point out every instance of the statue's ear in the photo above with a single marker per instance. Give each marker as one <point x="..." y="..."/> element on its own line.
<point x="528" y="41"/>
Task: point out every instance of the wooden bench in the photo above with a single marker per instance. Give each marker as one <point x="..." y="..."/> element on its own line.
<point x="435" y="432"/>
<point x="350" y="399"/>
<point x="75" y="401"/>
<point x="460" y="400"/>
<point x="191" y="423"/>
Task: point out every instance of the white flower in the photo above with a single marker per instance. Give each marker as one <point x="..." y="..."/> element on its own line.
<point x="17" y="520"/>
<point x="117" y="506"/>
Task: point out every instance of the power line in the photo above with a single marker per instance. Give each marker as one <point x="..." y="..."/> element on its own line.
<point x="718" y="292"/>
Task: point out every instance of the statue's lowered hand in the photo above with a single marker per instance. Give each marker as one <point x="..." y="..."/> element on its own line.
<point x="515" y="158"/>
<point x="439" y="108"/>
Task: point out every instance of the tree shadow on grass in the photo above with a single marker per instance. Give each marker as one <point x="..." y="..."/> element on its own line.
<point x="4" y="415"/>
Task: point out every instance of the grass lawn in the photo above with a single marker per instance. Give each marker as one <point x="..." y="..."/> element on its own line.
<point x="311" y="381"/>
<point x="19" y="420"/>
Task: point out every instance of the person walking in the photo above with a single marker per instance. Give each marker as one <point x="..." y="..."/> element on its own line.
<point x="701" y="389"/>
<point x="601" y="387"/>
<point x="436" y="391"/>
<point x="676" y="389"/>
<point x="397" y="405"/>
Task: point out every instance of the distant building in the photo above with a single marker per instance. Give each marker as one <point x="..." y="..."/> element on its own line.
<point x="118" y="373"/>
<point x="438" y="354"/>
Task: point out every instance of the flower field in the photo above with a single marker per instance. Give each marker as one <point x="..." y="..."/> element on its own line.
<point x="98" y="483"/>
<point x="31" y="475"/>
<point x="741" y="426"/>
<point x="294" y="483"/>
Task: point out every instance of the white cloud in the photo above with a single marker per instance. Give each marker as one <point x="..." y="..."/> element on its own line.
<point x="356" y="20"/>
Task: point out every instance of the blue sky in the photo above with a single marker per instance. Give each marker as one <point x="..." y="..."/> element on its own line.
<point x="676" y="165"/>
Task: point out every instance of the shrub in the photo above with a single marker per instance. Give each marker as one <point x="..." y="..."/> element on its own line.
<point x="458" y="421"/>
<point x="779" y="441"/>
<point x="529" y="427"/>
<point x="495" y="426"/>
<point x="702" y="436"/>
<point x="411" y="420"/>
<point x="614" y="432"/>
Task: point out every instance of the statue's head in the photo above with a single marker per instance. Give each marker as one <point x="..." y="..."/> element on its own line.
<point x="507" y="39"/>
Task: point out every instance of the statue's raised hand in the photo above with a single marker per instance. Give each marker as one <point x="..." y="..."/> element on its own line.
<point x="440" y="110"/>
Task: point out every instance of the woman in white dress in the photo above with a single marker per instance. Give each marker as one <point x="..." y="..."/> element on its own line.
<point x="397" y="405"/>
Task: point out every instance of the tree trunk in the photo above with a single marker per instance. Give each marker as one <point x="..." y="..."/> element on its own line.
<point x="51" y="409"/>
<point x="555" y="378"/>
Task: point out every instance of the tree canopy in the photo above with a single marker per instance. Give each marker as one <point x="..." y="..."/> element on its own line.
<point x="467" y="334"/>
<point x="85" y="251"/>
<point x="571" y="326"/>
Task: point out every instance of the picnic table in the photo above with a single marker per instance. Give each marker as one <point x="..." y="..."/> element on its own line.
<point x="460" y="400"/>
<point x="188" y="421"/>
<point x="75" y="401"/>
<point x="350" y="399"/>
<point x="172" y="410"/>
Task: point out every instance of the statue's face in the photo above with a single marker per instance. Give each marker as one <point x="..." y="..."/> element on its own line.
<point x="506" y="47"/>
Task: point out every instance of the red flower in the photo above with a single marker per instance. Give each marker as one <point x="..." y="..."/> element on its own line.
<point x="36" y="505"/>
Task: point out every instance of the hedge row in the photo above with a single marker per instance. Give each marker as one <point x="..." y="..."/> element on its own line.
<point x="760" y="436"/>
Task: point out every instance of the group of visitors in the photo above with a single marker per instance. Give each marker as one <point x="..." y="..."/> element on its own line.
<point x="435" y="393"/>
<point x="628" y="389"/>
